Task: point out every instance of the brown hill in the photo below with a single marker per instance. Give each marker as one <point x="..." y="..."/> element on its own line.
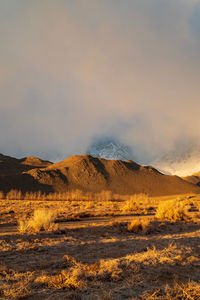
<point x="195" y="178"/>
<point x="12" y="172"/>
<point x="35" y="162"/>
<point x="87" y="173"/>
<point x="11" y="166"/>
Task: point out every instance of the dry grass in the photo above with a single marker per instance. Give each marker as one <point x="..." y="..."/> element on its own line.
<point x="179" y="291"/>
<point x="140" y="204"/>
<point x="20" y="283"/>
<point x="42" y="220"/>
<point x="133" y="271"/>
<point x="100" y="261"/>
<point x="14" y="195"/>
<point x="130" y="205"/>
<point x="173" y="210"/>
<point x="137" y="203"/>
<point x="79" y="276"/>
<point x="139" y="225"/>
<point x="67" y="280"/>
<point x="14" y="210"/>
<point x="104" y="260"/>
<point x="76" y="195"/>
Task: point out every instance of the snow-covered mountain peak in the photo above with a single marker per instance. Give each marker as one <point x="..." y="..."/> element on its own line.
<point x="183" y="163"/>
<point x="110" y="150"/>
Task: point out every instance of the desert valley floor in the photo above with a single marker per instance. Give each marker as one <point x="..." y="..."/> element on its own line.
<point x="111" y="249"/>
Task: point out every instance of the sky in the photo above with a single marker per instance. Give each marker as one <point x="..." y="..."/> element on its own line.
<point x="75" y="70"/>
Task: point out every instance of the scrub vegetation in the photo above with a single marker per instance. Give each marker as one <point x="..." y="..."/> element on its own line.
<point x="42" y="220"/>
<point x="117" y="247"/>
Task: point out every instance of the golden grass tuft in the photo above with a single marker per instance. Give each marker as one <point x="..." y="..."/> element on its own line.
<point x="134" y="202"/>
<point x="185" y="291"/>
<point x="15" y="285"/>
<point x="130" y="205"/>
<point x="66" y="280"/>
<point x="78" y="275"/>
<point x="139" y="225"/>
<point x="173" y="210"/>
<point x="42" y="220"/>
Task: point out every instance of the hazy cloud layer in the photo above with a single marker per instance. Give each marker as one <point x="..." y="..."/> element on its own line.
<point x="73" y="70"/>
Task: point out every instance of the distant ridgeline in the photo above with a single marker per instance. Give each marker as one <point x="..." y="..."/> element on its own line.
<point x="88" y="174"/>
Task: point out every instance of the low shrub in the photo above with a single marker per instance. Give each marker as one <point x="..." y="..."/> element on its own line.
<point x="135" y="202"/>
<point x="42" y="220"/>
<point x="138" y="225"/>
<point x="130" y="205"/>
<point x="172" y="210"/>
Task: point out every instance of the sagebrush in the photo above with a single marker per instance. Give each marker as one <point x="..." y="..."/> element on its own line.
<point x="42" y="220"/>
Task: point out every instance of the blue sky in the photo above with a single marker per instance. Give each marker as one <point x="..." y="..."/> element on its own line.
<point x="74" y="70"/>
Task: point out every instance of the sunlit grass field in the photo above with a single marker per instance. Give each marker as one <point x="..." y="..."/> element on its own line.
<point x="99" y="246"/>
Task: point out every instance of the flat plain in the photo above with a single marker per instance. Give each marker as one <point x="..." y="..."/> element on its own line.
<point x="111" y="248"/>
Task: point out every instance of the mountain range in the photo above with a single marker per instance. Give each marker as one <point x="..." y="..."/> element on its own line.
<point x="184" y="162"/>
<point x="88" y="173"/>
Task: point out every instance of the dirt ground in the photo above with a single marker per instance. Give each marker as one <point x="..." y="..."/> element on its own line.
<point x="91" y="256"/>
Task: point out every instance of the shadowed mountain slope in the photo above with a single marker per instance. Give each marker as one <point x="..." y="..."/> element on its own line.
<point x="195" y="178"/>
<point x="90" y="174"/>
<point x="11" y="166"/>
<point x="87" y="173"/>
<point x="13" y="176"/>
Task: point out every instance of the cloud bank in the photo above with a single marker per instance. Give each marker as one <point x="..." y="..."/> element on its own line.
<point x="74" y="70"/>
